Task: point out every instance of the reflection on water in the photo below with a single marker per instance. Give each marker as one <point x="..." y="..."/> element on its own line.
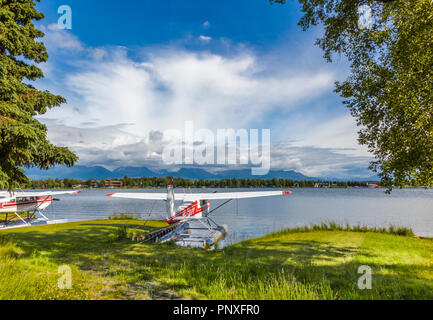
<point x="251" y="218"/>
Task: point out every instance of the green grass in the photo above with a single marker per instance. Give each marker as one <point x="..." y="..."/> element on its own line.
<point x="332" y="226"/>
<point x="318" y="262"/>
<point x="123" y="216"/>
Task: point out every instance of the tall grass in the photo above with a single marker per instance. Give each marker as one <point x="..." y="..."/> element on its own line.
<point x="120" y="233"/>
<point x="275" y="287"/>
<point x="8" y="250"/>
<point x="16" y="282"/>
<point x="124" y="216"/>
<point x="34" y="276"/>
<point x="333" y="226"/>
<point x="229" y="282"/>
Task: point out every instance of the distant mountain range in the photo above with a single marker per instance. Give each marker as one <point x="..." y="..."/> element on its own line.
<point x="98" y="172"/>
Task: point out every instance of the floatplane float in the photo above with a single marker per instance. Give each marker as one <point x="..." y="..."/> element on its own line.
<point x="24" y="209"/>
<point x="190" y="222"/>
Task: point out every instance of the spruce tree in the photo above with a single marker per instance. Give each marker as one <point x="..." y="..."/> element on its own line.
<point x="23" y="139"/>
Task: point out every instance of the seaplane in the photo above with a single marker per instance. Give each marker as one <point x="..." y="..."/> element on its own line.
<point x="13" y="206"/>
<point x="194" y="209"/>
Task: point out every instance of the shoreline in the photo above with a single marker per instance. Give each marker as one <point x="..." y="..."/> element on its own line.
<point x="160" y="188"/>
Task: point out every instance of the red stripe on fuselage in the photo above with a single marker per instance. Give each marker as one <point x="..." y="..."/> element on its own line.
<point x="40" y="200"/>
<point x="189" y="211"/>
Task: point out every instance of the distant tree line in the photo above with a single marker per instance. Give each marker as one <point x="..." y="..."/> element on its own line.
<point x="161" y="182"/>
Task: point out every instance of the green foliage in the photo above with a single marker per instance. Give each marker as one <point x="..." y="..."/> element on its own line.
<point x="158" y="182"/>
<point x="390" y="88"/>
<point x="23" y="139"/>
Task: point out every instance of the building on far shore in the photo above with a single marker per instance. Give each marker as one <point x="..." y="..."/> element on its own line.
<point x="109" y="183"/>
<point x="113" y="183"/>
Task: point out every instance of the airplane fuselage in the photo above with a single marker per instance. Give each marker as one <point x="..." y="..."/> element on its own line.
<point x="25" y="204"/>
<point x="191" y="209"/>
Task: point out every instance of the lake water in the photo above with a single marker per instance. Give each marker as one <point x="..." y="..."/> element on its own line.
<point x="251" y="218"/>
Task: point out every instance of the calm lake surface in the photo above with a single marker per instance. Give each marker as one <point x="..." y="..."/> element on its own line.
<point x="252" y="218"/>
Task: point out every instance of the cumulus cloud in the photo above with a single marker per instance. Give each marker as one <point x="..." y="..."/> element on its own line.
<point x="119" y="106"/>
<point x="109" y="146"/>
<point x="112" y="147"/>
<point x="319" y="161"/>
<point x="174" y="86"/>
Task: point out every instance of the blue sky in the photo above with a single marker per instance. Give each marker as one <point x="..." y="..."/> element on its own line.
<point x="139" y="23"/>
<point x="135" y="69"/>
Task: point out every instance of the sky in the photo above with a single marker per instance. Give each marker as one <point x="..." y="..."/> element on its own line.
<point x="131" y="71"/>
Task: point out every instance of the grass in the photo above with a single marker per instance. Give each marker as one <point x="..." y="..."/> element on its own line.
<point x="124" y="216"/>
<point x="316" y="262"/>
<point x="333" y="226"/>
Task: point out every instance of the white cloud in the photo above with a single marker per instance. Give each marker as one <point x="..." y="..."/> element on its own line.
<point x="319" y="161"/>
<point x="56" y="38"/>
<point x="98" y="53"/>
<point x="205" y="38"/>
<point x="109" y="146"/>
<point x="340" y="133"/>
<point x="112" y="147"/>
<point x="116" y="103"/>
<point x="174" y="86"/>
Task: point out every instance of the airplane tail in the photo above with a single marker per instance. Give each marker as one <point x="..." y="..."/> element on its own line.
<point x="170" y="200"/>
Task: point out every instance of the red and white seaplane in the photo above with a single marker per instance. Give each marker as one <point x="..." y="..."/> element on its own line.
<point x="31" y="203"/>
<point x="196" y="206"/>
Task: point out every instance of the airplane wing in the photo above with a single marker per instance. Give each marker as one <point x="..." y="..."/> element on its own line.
<point x="142" y="196"/>
<point x="234" y="195"/>
<point x="200" y="196"/>
<point x="44" y="193"/>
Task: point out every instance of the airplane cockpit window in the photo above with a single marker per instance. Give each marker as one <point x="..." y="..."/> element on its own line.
<point x="23" y="199"/>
